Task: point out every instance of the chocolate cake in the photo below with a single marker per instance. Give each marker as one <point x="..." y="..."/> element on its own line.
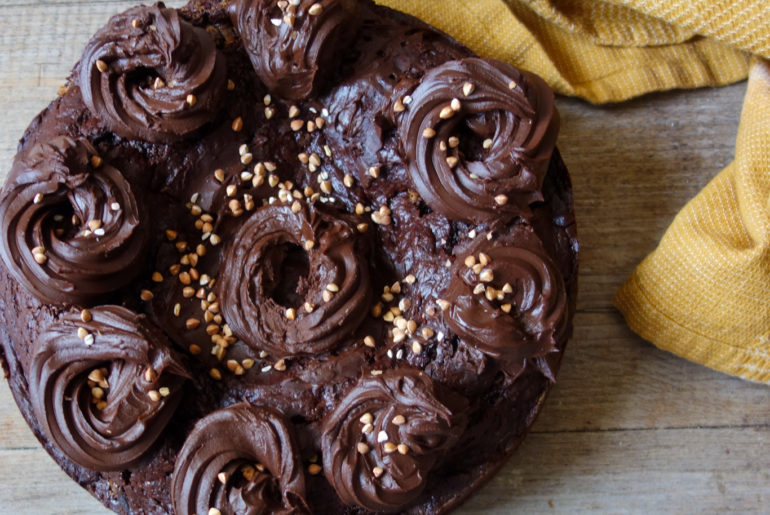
<point x="285" y="256"/>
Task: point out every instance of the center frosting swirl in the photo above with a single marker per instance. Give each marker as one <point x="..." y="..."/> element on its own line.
<point x="478" y="136"/>
<point x="72" y="229"/>
<point x="242" y="459"/>
<point x="148" y="74"/>
<point x="386" y="435"/>
<point x="323" y="307"/>
<point x="292" y="45"/>
<point x="103" y="390"/>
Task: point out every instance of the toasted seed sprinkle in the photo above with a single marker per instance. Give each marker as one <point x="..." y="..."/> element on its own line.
<point x="171" y="235"/>
<point x="389" y="447"/>
<point x="164" y="391"/>
<point x="309" y="307"/>
<point x="348" y="181"/>
<point x="276" y="21"/>
<point x="310" y="126"/>
<point x="455" y="104"/>
<point x="382" y="436"/>
<point x="501" y="200"/>
<point x="427" y="332"/>
<point x="291" y="313"/>
<point x="315" y="9"/>
<point x="374" y="171"/>
<point x="146" y="295"/>
<point x="443" y="304"/>
<point x="89" y="339"/>
<point x="403" y="448"/>
<point x="247" y="363"/>
<point x="332" y="287"/>
<point x="237" y="125"/>
<point x="192" y="323"/>
<point x="376" y="372"/>
<point x="506" y="308"/>
<point x="398" y="420"/>
<point x="214" y="511"/>
<point x="512" y="84"/>
<point x="366" y="418"/>
<point x="487" y="143"/>
<point x="194" y="349"/>
<point x="82" y="332"/>
<point x="484" y="259"/>
<point x="267" y="368"/>
<point x="470" y="261"/>
<point x="398" y="106"/>
<point x="101" y="65"/>
<point x="478" y="289"/>
<point x="154" y="395"/>
<point x="309" y="244"/>
<point x="416" y="347"/>
<point x="428" y="133"/>
<point x="157" y="277"/>
<point x="314" y="469"/>
<point x="452" y="161"/>
<point x="486" y="275"/>
<point x="296" y="125"/>
<point x="280" y="365"/>
<point x="223" y="477"/>
<point x="362" y="448"/>
<point x="368" y="428"/>
<point x="377" y="471"/>
<point x="215" y="374"/>
<point x="468" y="88"/>
<point x="191" y="100"/>
<point x="135" y="23"/>
<point x="293" y="111"/>
<point x="38" y="198"/>
<point x="446" y="113"/>
<point x="369" y="341"/>
<point x="85" y="316"/>
<point x="215" y="239"/>
<point x="327" y="296"/>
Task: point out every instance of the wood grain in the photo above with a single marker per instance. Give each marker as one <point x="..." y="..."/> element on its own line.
<point x="628" y="428"/>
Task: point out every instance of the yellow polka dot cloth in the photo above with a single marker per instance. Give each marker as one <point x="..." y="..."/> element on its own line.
<point x="704" y="293"/>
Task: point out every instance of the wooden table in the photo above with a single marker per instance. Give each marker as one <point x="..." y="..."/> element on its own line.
<point x="628" y="428"/>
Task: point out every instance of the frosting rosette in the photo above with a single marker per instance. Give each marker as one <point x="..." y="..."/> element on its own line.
<point x="72" y="228"/>
<point x="104" y="389"/>
<point x="509" y="302"/>
<point x="385" y="436"/>
<point x="295" y="283"/>
<point x="150" y="75"/>
<point x="242" y="459"/>
<point x="477" y="137"/>
<point x="293" y="44"/>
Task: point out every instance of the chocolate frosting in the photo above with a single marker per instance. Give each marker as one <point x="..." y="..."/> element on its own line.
<point x="336" y="287"/>
<point x="526" y="284"/>
<point x="150" y="75"/>
<point x="512" y="109"/>
<point x="114" y="353"/>
<point x="399" y="407"/>
<point x="242" y="459"/>
<point x="293" y="47"/>
<point x="53" y="193"/>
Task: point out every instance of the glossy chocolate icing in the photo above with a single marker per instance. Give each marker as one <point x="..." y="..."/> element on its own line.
<point x="505" y="123"/>
<point x="150" y="75"/>
<point x="72" y="228"/>
<point x="380" y="444"/>
<point x="104" y="396"/>
<point x="328" y="303"/>
<point x="242" y="459"/>
<point x="293" y="45"/>
<point x="232" y="204"/>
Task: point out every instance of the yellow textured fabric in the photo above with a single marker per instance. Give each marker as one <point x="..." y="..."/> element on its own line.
<point x="704" y="293"/>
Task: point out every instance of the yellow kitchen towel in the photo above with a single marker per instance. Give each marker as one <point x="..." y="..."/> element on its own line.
<point x="704" y="293"/>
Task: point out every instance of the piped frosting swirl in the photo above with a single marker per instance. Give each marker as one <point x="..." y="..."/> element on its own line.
<point x="72" y="230"/>
<point x="385" y="436"/>
<point x="150" y="75"/>
<point x="242" y="459"/>
<point x="323" y="308"/>
<point x="293" y="47"/>
<point x="509" y="302"/>
<point x="477" y="137"/>
<point x="103" y="390"/>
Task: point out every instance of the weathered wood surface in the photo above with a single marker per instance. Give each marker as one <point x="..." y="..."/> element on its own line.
<point x="628" y="428"/>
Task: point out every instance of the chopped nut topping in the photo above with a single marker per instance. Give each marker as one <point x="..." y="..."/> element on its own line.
<point x="315" y="9"/>
<point x="362" y="448"/>
<point x="377" y="471"/>
<point x="314" y="469"/>
<point x="398" y="420"/>
<point x="429" y="133"/>
<point x="191" y="100"/>
<point x="101" y="66"/>
<point x="369" y="341"/>
<point x="237" y="125"/>
<point x="468" y="88"/>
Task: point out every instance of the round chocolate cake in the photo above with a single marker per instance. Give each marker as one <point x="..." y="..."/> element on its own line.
<point x="285" y="256"/>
